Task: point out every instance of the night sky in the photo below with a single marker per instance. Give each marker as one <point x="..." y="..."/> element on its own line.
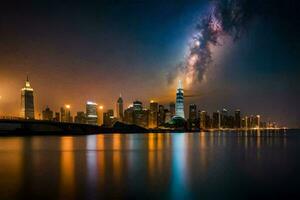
<point x="95" y="50"/>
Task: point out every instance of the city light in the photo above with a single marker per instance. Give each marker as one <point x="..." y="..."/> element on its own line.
<point x="161" y="117"/>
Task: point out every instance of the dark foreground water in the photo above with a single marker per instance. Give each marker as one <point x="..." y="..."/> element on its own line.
<point x="151" y="166"/>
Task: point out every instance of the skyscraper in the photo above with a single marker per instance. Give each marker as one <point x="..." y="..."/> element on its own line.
<point x="80" y="118"/>
<point x="179" y="107"/>
<point x="203" y="120"/>
<point x="100" y="115"/>
<point x="65" y="114"/>
<point x="192" y="116"/>
<point x="128" y="115"/>
<point x="119" y="109"/>
<point x="161" y="115"/>
<point x="216" y="120"/>
<point x="56" y="117"/>
<point x="47" y="114"/>
<point x="27" y="103"/>
<point x="108" y="118"/>
<point x="137" y="105"/>
<point x="153" y="114"/>
<point x="224" y="118"/>
<point x="91" y="113"/>
<point x="237" y="119"/>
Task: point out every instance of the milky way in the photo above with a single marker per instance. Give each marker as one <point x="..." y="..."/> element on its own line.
<point x="223" y="18"/>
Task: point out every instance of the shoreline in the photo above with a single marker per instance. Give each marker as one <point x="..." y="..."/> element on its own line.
<point x="48" y="128"/>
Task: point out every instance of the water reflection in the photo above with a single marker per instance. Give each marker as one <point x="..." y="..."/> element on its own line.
<point x="178" y="184"/>
<point x="11" y="158"/>
<point x="117" y="163"/>
<point x="156" y="165"/>
<point x="67" y="182"/>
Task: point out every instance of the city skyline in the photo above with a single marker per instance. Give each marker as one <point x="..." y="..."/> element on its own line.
<point x="151" y="115"/>
<point x="96" y="55"/>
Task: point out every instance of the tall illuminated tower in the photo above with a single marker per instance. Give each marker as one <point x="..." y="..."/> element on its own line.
<point x="179" y="107"/>
<point x="119" y="109"/>
<point x="27" y="103"/>
<point x="91" y="113"/>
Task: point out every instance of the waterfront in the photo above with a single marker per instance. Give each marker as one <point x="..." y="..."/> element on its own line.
<point x="214" y="165"/>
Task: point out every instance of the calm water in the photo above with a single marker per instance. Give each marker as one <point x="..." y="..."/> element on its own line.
<point x="150" y="166"/>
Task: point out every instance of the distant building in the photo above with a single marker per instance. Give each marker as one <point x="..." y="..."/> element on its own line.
<point x="153" y="112"/>
<point x="91" y="113"/>
<point x="100" y="115"/>
<point x="237" y="119"/>
<point x="257" y="122"/>
<point x="172" y="109"/>
<point x="192" y="121"/>
<point x="27" y="101"/>
<point x="65" y="114"/>
<point x="47" y="114"/>
<point x="247" y="122"/>
<point x="216" y="120"/>
<point x="161" y="115"/>
<point x="108" y="118"/>
<point x="128" y="115"/>
<point x="243" y="122"/>
<point x="168" y="116"/>
<point x="251" y="121"/>
<point x="137" y="105"/>
<point x="230" y="121"/>
<point x="203" y="118"/>
<point x="119" y="109"/>
<point x="80" y="118"/>
<point x="141" y="118"/>
<point x="56" y="117"/>
<point x="179" y="107"/>
<point x="224" y="118"/>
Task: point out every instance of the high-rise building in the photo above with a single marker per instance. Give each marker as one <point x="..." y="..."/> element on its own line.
<point x="27" y="101"/>
<point x="230" y="121"/>
<point x="47" y="114"/>
<point x="108" y="118"/>
<point x="161" y="115"/>
<point x="247" y="125"/>
<point x="168" y="116"/>
<point x="65" y="114"/>
<point x="203" y="119"/>
<point x="119" y="109"/>
<point x="179" y="107"/>
<point x="192" y="116"/>
<point x="224" y="118"/>
<point x="141" y="119"/>
<point x="216" y="120"/>
<point x="56" y="117"/>
<point x="137" y="105"/>
<point x="153" y="114"/>
<point x="250" y="122"/>
<point x="172" y="109"/>
<point x="80" y="118"/>
<point x="100" y="115"/>
<point x="237" y="119"/>
<point x="91" y="113"/>
<point x="257" y="122"/>
<point x="128" y="115"/>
